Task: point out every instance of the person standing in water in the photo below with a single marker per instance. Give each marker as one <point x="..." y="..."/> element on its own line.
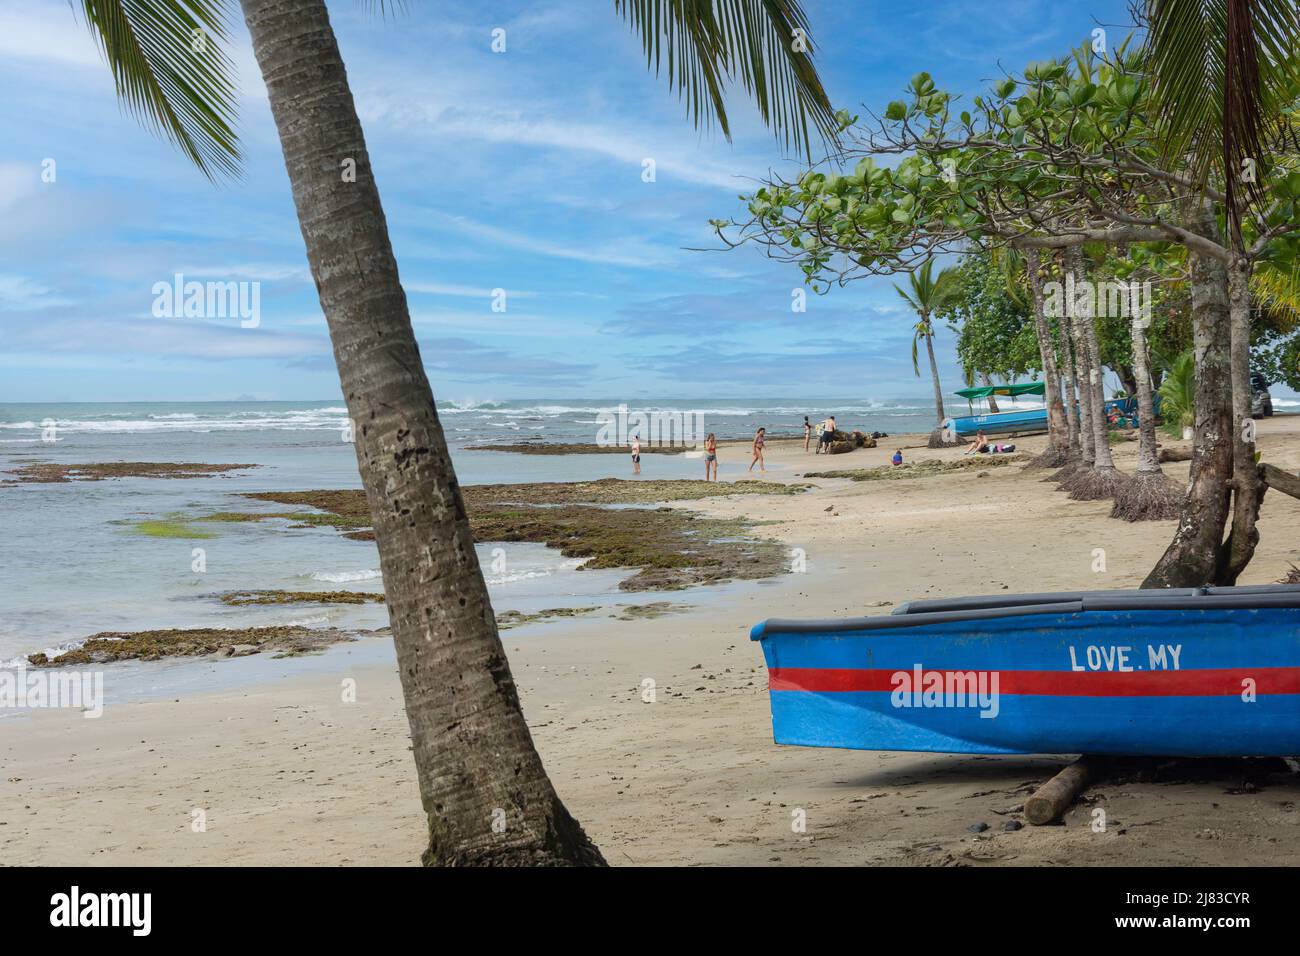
<point x="807" y="433"/>
<point x="759" y="437"/>
<point x="711" y="458"/>
<point x="636" y="454"/>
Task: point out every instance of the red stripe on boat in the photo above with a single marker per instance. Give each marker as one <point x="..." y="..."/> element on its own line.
<point x="1189" y="683"/>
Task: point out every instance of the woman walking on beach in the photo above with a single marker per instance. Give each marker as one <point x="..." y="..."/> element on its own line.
<point x="759" y="437"/>
<point x="807" y="433"/>
<point x="636" y="454"/>
<point x="711" y="457"/>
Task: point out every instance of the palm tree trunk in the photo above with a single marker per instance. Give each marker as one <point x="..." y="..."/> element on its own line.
<point x="1151" y="495"/>
<point x="1096" y="388"/>
<point x="1148" y="458"/>
<point x="993" y="402"/>
<point x="1058" y="432"/>
<point x="1071" y="391"/>
<point x="487" y="797"/>
<point x="1082" y="367"/>
<point x="1248" y="489"/>
<point x="936" y="437"/>
<point x="1101" y="480"/>
<point x="1192" y="558"/>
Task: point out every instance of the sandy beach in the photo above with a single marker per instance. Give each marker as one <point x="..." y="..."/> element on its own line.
<point x="287" y="772"/>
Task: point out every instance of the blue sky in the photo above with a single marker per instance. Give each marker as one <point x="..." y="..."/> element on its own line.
<point x="518" y="170"/>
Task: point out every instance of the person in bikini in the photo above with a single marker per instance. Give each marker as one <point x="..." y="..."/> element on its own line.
<point x="807" y="433"/>
<point x="759" y="437"/>
<point x="711" y="458"/>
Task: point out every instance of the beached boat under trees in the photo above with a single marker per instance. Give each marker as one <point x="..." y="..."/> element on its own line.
<point x="1210" y="671"/>
<point x="1020" y="421"/>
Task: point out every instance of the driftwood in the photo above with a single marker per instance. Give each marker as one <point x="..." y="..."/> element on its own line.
<point x="1175" y="454"/>
<point x="1053" y="798"/>
<point x="1280" y="480"/>
<point x="842" y="441"/>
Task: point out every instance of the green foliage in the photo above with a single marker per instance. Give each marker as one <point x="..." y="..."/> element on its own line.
<point x="927" y="294"/>
<point x="753" y="41"/>
<point x="172" y="72"/>
<point x="1178" y="395"/>
<point x="994" y="325"/>
<point x="1222" y="71"/>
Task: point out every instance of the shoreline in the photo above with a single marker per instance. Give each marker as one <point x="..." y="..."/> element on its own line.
<point x="290" y="773"/>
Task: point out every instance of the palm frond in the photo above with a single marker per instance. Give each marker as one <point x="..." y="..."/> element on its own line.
<point x="908" y="297"/>
<point x="1276" y="286"/>
<point x="172" y="73"/>
<point x="1221" y="70"/>
<point x="762" y="43"/>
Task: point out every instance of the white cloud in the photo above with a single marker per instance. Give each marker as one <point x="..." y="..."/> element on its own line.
<point x="449" y="288"/>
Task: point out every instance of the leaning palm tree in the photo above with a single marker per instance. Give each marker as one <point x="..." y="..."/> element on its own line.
<point x="486" y="795"/>
<point x="928" y="294"/>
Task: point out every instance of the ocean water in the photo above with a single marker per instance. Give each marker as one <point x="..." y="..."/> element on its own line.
<point x="74" y="561"/>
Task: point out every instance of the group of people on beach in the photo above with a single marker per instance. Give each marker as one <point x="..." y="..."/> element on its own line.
<point x="824" y="440"/>
<point x="711" y="454"/>
<point x="827" y="436"/>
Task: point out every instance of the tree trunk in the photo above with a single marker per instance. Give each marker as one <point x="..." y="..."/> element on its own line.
<point x="1192" y="558"/>
<point x="1148" y="462"/>
<point x="993" y="402"/>
<point x="934" y="377"/>
<point x="1058" y="431"/>
<point x="937" y="439"/>
<point x="1083" y="382"/>
<point x="1086" y="314"/>
<point x="488" y="799"/>
<point x="1071" y="390"/>
<point x="1151" y="495"/>
<point x="1248" y="490"/>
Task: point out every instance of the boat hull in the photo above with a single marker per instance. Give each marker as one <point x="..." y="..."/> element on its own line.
<point x="1213" y="680"/>
<point x="1022" y="421"/>
<point x="1002" y="423"/>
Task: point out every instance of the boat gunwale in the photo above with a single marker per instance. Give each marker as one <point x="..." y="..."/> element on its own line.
<point x="923" y="613"/>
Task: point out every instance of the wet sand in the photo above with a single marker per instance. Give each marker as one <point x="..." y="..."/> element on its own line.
<point x="290" y="772"/>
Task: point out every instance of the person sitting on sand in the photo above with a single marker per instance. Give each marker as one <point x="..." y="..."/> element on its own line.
<point x="980" y="444"/>
<point x="636" y="454"/>
<point x="828" y="435"/>
<point x="759" y="437"/>
<point x="898" y="457"/>
<point x="711" y="457"/>
<point x="807" y="433"/>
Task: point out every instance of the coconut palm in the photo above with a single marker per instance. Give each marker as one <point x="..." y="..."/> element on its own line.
<point x="486" y="795"/>
<point x="928" y="294"/>
<point x="1221" y="73"/>
<point x="1178" y="395"/>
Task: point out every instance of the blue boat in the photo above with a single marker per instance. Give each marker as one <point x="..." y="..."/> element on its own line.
<point x="1022" y="421"/>
<point x="1180" y="672"/>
